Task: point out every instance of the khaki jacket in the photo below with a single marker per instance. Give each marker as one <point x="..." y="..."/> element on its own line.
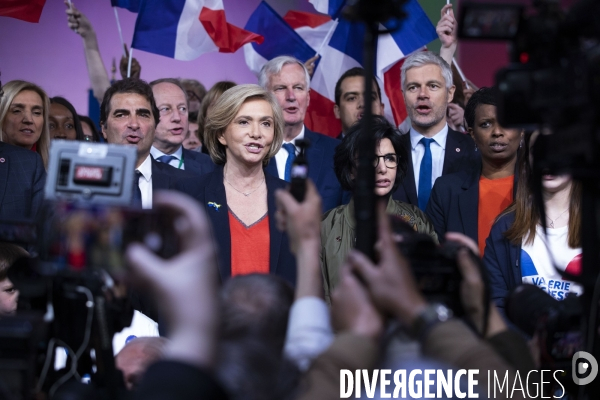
<point x="338" y="236"/>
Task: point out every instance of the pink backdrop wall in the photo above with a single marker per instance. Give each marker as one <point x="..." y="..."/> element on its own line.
<point x="51" y="55"/>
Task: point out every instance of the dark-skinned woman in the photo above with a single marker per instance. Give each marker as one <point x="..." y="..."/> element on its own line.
<point x="469" y="201"/>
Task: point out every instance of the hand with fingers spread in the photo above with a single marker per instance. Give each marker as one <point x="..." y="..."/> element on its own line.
<point x="390" y="283"/>
<point x="352" y="310"/>
<point x="186" y="284"/>
<point x="447" y="33"/>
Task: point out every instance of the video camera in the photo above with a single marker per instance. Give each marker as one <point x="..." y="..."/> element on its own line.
<point x="70" y="288"/>
<point x="553" y="84"/>
<point x="553" y="79"/>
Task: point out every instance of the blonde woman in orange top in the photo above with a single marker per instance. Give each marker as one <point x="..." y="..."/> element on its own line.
<point x="243" y="130"/>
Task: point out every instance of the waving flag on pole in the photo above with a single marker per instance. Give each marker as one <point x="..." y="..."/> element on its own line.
<point x="25" y="10"/>
<point x="131" y="5"/>
<point x="339" y="43"/>
<point x="186" y="29"/>
<point x="330" y="7"/>
<point x="279" y="39"/>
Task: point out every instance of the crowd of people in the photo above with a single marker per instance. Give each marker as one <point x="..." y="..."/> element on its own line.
<point x="267" y="298"/>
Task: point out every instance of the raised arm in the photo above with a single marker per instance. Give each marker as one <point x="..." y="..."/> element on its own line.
<point x="79" y="23"/>
<point x="446" y="29"/>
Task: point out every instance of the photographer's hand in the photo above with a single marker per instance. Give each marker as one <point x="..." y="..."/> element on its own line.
<point x="352" y="310"/>
<point x="302" y="222"/>
<point x="186" y="284"/>
<point x="390" y="283"/>
<point x="472" y="288"/>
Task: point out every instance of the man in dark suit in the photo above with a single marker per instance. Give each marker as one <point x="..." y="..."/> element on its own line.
<point x="434" y="148"/>
<point x="349" y="98"/>
<point x="172" y="129"/>
<point x="129" y="115"/>
<point x="288" y="80"/>
<point x="22" y="179"/>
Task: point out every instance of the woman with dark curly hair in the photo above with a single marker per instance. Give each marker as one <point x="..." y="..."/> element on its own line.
<point x="338" y="229"/>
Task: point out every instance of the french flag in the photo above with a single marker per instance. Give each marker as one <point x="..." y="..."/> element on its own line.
<point x="186" y="29"/>
<point x="25" y="10"/>
<point x="131" y="5"/>
<point x="339" y="43"/>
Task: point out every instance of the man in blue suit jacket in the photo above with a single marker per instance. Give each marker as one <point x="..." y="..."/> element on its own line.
<point x="22" y="180"/>
<point x="288" y="80"/>
<point x="434" y="148"/>
<point x="172" y="102"/>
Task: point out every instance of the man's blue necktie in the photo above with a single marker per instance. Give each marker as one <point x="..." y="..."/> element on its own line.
<point x="425" y="174"/>
<point x="166" y="159"/>
<point x="136" y="193"/>
<point x="291" y="149"/>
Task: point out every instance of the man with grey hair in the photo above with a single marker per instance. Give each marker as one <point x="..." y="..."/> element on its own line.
<point x="172" y="103"/>
<point x="288" y="80"/>
<point x="435" y="149"/>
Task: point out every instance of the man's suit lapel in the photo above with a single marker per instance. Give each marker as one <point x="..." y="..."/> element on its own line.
<point x="456" y="149"/>
<point x="218" y="213"/>
<point x="408" y="183"/>
<point x="190" y="164"/>
<point x="4" y="166"/>
<point x="314" y="155"/>
<point x="468" y="202"/>
<point x="160" y="179"/>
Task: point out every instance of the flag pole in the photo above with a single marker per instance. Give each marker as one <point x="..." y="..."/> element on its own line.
<point x="462" y="76"/>
<point x="129" y="62"/>
<point x="120" y="32"/>
<point x="328" y="36"/>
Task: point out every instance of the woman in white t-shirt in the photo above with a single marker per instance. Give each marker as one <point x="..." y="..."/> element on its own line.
<point x="518" y="251"/>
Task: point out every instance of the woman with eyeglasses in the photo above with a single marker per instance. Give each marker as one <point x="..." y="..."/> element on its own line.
<point x="338" y="228"/>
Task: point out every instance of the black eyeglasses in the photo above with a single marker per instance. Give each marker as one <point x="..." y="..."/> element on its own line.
<point x="390" y="160"/>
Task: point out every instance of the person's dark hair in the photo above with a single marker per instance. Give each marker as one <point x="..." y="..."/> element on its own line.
<point x="356" y="71"/>
<point x="9" y="254"/>
<point x="175" y="82"/>
<point x="128" y="85"/>
<point x="210" y="98"/>
<point x="344" y="158"/>
<point x="250" y="369"/>
<point x="92" y="125"/>
<point x="76" y="121"/>
<point x="485" y="95"/>
<point x="256" y="305"/>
